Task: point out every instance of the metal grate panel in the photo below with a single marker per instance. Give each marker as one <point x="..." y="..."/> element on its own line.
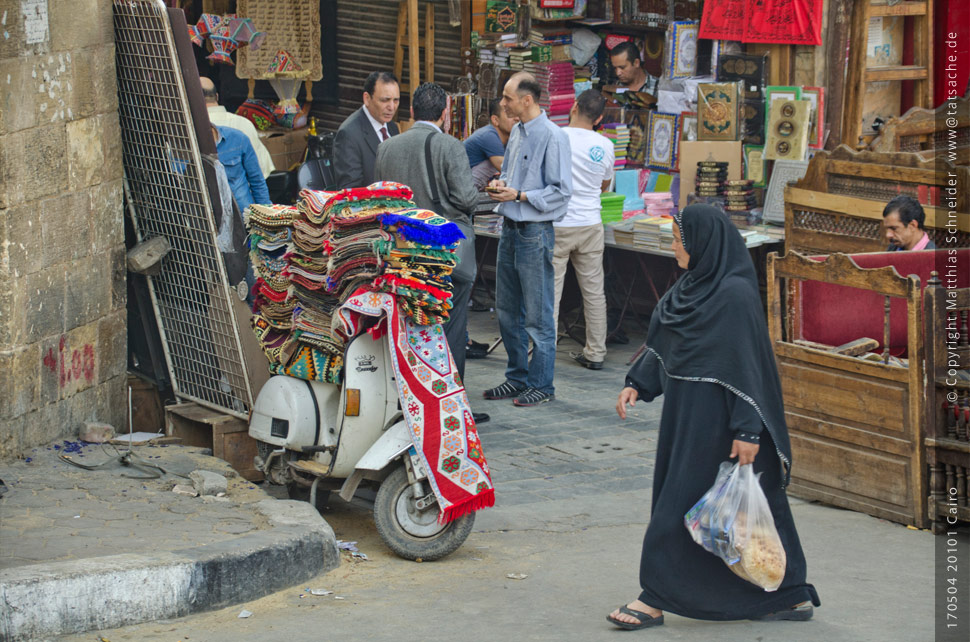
<point x="166" y="192"/>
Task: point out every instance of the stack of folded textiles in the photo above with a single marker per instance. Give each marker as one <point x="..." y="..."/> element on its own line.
<point x="418" y="263"/>
<point x="270" y="235"/>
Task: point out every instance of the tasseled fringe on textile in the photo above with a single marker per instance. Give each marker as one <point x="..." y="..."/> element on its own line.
<point x="484" y="499"/>
<point x="417" y="232"/>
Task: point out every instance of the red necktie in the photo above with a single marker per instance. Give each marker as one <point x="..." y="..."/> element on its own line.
<point x="384" y="135"/>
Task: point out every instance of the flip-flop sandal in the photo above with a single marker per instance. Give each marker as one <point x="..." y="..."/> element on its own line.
<point x="646" y="620"/>
<point x="800" y="613"/>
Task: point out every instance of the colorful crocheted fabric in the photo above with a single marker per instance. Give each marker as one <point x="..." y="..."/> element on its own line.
<point x="312" y="202"/>
<point x="277" y="345"/>
<point x="259" y="112"/>
<point x="315" y="365"/>
<point x="434" y="402"/>
<point x="271" y="216"/>
<point x="424" y="227"/>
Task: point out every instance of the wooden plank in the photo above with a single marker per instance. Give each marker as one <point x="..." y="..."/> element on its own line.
<point x="854" y="87"/>
<point x="936" y="217"/>
<point x="414" y="46"/>
<point x="923" y="176"/>
<point x="429" y="42"/>
<point x="840" y="269"/>
<point x="831" y="429"/>
<point x="949" y="444"/>
<point x="916" y="401"/>
<point x="853" y="474"/>
<point x="901" y="9"/>
<point x="850" y="365"/>
<point x="402" y="25"/>
<point x="815" y="242"/>
<point x="923" y="48"/>
<point x="836" y="39"/>
<point x="901" y="72"/>
<point x="822" y="392"/>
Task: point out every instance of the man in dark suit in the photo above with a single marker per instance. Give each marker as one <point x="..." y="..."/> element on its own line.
<point x="403" y="160"/>
<point x="355" y="146"/>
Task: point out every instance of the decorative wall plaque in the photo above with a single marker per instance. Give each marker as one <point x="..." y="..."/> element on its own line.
<point x="787" y="132"/>
<point x="783" y="173"/>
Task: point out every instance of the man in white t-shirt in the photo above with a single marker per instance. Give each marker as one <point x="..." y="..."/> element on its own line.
<point x="579" y="235"/>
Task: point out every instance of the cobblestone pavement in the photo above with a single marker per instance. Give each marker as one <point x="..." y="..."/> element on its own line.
<point x="56" y="512"/>
<point x="573" y="446"/>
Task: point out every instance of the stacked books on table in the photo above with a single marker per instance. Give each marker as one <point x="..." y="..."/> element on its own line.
<point x="558" y="94"/>
<point x="520" y="59"/>
<point x="653" y="233"/>
<point x="619" y="133"/>
<point x="659" y="203"/>
<point x="622" y="233"/>
<point x="611" y="205"/>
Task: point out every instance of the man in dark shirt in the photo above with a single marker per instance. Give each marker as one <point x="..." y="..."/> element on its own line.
<point x="625" y="58"/>
<point x="903" y="219"/>
<point x="486" y="147"/>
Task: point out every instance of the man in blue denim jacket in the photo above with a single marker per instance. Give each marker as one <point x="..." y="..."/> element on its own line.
<point x="533" y="192"/>
<point x="242" y="167"/>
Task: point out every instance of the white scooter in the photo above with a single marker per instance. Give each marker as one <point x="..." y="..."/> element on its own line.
<point x="320" y="437"/>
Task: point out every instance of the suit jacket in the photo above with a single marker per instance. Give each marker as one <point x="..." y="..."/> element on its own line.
<point x="401" y="159"/>
<point x="355" y="148"/>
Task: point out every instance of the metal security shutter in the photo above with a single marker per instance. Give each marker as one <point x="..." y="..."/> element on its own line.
<point x="366" y="31"/>
<point x="167" y="196"/>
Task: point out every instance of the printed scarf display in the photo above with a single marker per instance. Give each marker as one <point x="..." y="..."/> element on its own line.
<point x="435" y="405"/>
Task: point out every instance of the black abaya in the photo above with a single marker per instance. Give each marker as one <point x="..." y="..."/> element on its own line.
<point x="708" y="354"/>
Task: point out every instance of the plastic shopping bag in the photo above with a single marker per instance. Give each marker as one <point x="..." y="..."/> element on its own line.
<point x="733" y="521"/>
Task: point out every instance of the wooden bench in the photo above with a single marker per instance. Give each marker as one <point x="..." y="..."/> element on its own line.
<point x="925" y="130"/>
<point x="947" y="314"/>
<point x="857" y="426"/>
<point x="837" y="206"/>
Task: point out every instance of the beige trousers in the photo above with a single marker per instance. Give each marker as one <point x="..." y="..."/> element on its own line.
<point x="584" y="247"/>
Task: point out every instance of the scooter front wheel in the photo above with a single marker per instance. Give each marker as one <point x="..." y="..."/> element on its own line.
<point x="414" y="533"/>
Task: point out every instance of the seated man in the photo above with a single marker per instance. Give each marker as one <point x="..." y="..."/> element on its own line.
<point x="903" y="219"/>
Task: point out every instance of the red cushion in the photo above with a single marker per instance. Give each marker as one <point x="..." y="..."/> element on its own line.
<point x="836" y="314"/>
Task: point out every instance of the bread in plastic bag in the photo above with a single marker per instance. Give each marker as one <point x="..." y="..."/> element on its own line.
<point x="733" y="521"/>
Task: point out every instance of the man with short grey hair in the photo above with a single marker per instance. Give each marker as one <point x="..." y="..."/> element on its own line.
<point x="533" y="191"/>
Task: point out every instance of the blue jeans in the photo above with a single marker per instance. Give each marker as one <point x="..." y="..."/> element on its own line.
<point x="524" y="293"/>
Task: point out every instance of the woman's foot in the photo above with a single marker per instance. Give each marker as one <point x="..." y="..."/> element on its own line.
<point x="636" y="615"/>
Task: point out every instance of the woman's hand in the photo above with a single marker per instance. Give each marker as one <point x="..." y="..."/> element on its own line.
<point x="628" y="396"/>
<point x="744" y="451"/>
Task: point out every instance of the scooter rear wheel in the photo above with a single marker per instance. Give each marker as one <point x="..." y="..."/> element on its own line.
<point x="412" y="533"/>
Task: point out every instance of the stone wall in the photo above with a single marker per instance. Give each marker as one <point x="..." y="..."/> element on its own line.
<point x="63" y="335"/>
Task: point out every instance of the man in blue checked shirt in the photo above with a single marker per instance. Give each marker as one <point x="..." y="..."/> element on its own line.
<point x="533" y="191"/>
<point x="242" y="167"/>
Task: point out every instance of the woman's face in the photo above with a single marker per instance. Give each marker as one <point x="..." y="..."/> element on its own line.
<point x="683" y="258"/>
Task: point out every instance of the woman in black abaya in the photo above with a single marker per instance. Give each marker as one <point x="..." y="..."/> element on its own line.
<point x="709" y="354"/>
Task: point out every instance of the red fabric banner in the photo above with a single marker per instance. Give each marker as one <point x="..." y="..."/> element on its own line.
<point x="723" y="20"/>
<point x="785" y="22"/>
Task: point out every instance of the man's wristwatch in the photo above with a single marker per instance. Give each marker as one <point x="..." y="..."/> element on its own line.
<point x="518" y="197"/>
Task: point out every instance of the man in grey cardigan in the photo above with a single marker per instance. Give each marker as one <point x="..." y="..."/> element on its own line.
<point x="403" y="159"/>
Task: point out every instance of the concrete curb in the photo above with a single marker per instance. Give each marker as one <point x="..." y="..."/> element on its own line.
<point x="118" y="590"/>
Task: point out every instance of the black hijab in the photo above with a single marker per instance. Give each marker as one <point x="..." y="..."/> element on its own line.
<point x="710" y="325"/>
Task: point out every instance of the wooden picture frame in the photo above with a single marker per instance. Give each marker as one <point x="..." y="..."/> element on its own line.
<point x="816" y="96"/>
